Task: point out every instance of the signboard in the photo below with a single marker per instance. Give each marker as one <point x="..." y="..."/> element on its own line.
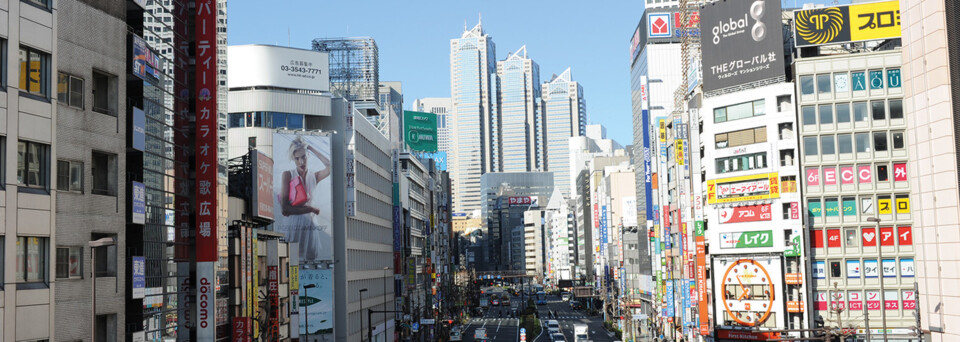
<point x="743" y="335"/>
<point x="139" y="129"/>
<point x="795" y="306"/>
<point x="749" y="213"/>
<point x="146" y="63"/>
<point x="266" y="65"/>
<point x="439" y="157"/>
<point x="318" y="302"/>
<point x="139" y="199"/>
<point x="743" y="188"/>
<point x="763" y="238"/>
<point x="629" y="210"/>
<point x="794" y="278"/>
<point x="242" y="329"/>
<point x="701" y="275"/>
<point x="752" y="278"/>
<point x="262" y="201"/>
<point x="139" y="268"/>
<point x="742" y="42"/>
<point x="420" y="131"/>
<point x="206" y="167"/>
<point x="523" y="200"/>
<point x="273" y="293"/>
<point x="844" y="24"/>
<point x="659" y="25"/>
<point x="302" y="184"/>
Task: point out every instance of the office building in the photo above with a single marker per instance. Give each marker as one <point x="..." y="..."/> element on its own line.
<point x="565" y="116"/>
<point x="442" y="107"/>
<point x="521" y="130"/>
<point x="473" y="94"/>
<point x="506" y="195"/>
<point x="932" y="100"/>
<point x="390" y="120"/>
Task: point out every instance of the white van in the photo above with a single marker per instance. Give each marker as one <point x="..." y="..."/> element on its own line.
<point x="553" y="327"/>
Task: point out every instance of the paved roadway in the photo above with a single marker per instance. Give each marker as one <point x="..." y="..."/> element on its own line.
<point x="568" y="317"/>
<point x="499" y="328"/>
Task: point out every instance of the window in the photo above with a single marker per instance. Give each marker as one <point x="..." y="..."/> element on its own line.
<point x="896" y="109"/>
<point x="739" y="111"/>
<point x="741" y="137"/>
<point x="843" y="113"/>
<point x="786" y="130"/>
<point x="45" y="4"/>
<point x="835" y="269"/>
<point x="104" y="172"/>
<point x="810" y="146"/>
<point x="897" y="140"/>
<point x="742" y="163"/>
<point x="33" y="167"/>
<point x="34" y="71"/>
<point x="105" y="257"/>
<point x="106" y="326"/>
<point x="70" y="90"/>
<point x="882" y="175"/>
<point x="31" y="259"/>
<point x="878" y="111"/>
<point x="104" y="93"/>
<point x="69" y="262"/>
<point x="860" y="111"/>
<point x="809" y="115"/>
<point x="844" y="143"/>
<point x="788" y="184"/>
<point x="863" y="142"/>
<point x="69" y="176"/>
<point x="823" y="84"/>
<point x="786" y="157"/>
<point x="826" y="145"/>
<point x="806" y="85"/>
<point x="880" y="141"/>
<point x="826" y="114"/>
<point x="784" y="104"/>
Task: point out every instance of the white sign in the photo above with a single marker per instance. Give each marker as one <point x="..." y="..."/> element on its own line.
<point x="206" y="301"/>
<point x="265" y="65"/>
<point x="629" y="211"/>
<point x="428" y="321"/>
<point x="742" y="188"/>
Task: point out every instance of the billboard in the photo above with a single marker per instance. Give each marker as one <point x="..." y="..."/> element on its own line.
<point x="262" y="196"/>
<point x="629" y="210"/>
<point x="420" y="131"/>
<point x="439" y="157"/>
<point x="743" y="188"/>
<point x="207" y="170"/>
<point x="139" y="129"/>
<point x="264" y="65"/>
<point x="747" y="213"/>
<point x="744" y="290"/>
<point x="845" y="24"/>
<point x="742" y="42"/>
<point x="523" y="200"/>
<point x="139" y="199"/>
<point x="146" y="63"/>
<point x="302" y="194"/>
<point x="316" y="302"/>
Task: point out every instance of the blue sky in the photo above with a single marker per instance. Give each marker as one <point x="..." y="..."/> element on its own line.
<point x="592" y="38"/>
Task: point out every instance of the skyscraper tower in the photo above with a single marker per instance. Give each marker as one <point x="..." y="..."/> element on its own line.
<point x="473" y="87"/>
<point x="520" y="122"/>
<point x="565" y="113"/>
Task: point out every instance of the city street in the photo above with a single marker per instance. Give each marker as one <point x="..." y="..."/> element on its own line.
<point x="567" y="317"/>
<point x="499" y="328"/>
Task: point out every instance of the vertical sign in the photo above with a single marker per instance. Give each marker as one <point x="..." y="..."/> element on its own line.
<point x="273" y="290"/>
<point x="262" y="201"/>
<point x="647" y="166"/>
<point x="139" y="277"/>
<point x="139" y="194"/>
<point x="206" y="166"/>
<point x="241" y="329"/>
<point x="139" y="129"/>
<point x="703" y="307"/>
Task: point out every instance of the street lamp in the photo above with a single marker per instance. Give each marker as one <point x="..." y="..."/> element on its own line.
<point x="102" y="242"/>
<point x="306" y="309"/>
<point x="361" y="312"/>
<point x="883" y="301"/>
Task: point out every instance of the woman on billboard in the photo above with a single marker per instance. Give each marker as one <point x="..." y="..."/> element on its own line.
<point x="296" y="219"/>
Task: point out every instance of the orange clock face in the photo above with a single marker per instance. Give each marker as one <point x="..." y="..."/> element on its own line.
<point x="748" y="292"/>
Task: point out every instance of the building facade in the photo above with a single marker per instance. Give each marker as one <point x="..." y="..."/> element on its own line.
<point x="565" y="116"/>
<point x="520" y="123"/>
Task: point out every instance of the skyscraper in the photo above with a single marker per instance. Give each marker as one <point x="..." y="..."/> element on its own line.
<point x="473" y="87"/>
<point x="440" y="106"/>
<point x="521" y="125"/>
<point x="565" y="113"/>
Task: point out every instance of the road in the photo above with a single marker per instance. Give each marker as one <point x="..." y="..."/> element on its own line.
<point x="499" y="328"/>
<point x="567" y="317"/>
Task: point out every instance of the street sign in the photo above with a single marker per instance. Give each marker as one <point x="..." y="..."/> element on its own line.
<point x="523" y="334"/>
<point x="428" y="321"/>
<point x="415" y="327"/>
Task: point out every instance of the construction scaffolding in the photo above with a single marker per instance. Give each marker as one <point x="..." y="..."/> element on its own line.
<point x="354" y="67"/>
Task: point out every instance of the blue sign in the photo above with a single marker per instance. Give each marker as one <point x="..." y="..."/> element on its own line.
<point x="397" y="229"/>
<point x="669" y="298"/>
<point x="459" y="214"/>
<point x="139" y="129"/>
<point x="648" y="173"/>
<point x="603" y="224"/>
<point x="139" y="276"/>
<point x="439" y="157"/>
<point x="139" y="203"/>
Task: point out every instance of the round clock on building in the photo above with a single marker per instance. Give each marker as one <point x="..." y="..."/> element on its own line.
<point x="748" y="292"/>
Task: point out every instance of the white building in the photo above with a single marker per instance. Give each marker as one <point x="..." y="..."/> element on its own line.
<point x="565" y="113"/>
<point x="442" y="107"/>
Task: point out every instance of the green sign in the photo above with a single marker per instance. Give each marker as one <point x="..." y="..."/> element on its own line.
<point x="815" y="209"/>
<point x="832" y="207"/>
<point x="893" y="78"/>
<point x="698" y="228"/>
<point x="876" y="79"/>
<point x="795" y="250"/>
<point x="849" y="207"/>
<point x="420" y="131"/>
<point x="762" y="238"/>
<point x="859" y="81"/>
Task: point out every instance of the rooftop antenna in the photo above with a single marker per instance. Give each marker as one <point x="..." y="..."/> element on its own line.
<point x="480" y="19"/>
<point x="288" y="36"/>
<point x="464" y="25"/>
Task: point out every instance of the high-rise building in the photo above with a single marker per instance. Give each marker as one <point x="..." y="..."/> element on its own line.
<point x="931" y="69"/>
<point x="473" y="93"/>
<point x="354" y="70"/>
<point x="390" y="120"/>
<point x="521" y="130"/>
<point x="565" y="116"/>
<point x="506" y="195"/>
<point x="442" y="107"/>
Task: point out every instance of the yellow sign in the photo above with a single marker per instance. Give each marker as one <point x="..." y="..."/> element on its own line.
<point x="849" y="23"/>
<point x="679" y="144"/>
<point x="884" y="206"/>
<point x="903" y="205"/>
<point x="294" y="278"/>
<point x="879" y="20"/>
<point x="663" y="131"/>
<point x="743" y="188"/>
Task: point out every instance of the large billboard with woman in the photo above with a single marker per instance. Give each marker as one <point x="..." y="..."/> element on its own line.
<point x="301" y="191"/>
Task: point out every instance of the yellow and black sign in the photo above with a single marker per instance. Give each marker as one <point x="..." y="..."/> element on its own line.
<point x="844" y="24"/>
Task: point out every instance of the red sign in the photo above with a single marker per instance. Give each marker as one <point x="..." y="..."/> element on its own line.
<point x="750" y="213"/>
<point x="869" y="237"/>
<point x="891" y="304"/>
<point x="747" y="335"/>
<point x="864" y="174"/>
<point x="873" y="300"/>
<point x="263" y="179"/>
<point x="522" y="200"/>
<point x="813" y="176"/>
<point x="205" y="164"/>
<point x="242" y="329"/>
<point x="659" y="25"/>
<point x="847" y="176"/>
<point x="821" y="302"/>
<point x="703" y="304"/>
<point x="830" y="176"/>
<point x="900" y="172"/>
<point x="856" y="301"/>
<point x="909" y="300"/>
<point x="833" y="238"/>
<point x="693" y="19"/>
<point x="273" y="290"/>
<point x="816" y="236"/>
<point x="794" y="210"/>
<point x="886" y="236"/>
<point x="905" y="236"/>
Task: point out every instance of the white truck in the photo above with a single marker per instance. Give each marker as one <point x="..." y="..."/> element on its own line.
<point x="579" y="332"/>
<point x="480" y="334"/>
<point x="484" y="302"/>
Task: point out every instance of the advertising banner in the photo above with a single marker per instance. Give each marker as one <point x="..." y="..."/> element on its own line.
<point x="703" y="303"/>
<point x="420" y="131"/>
<point x="523" y="200"/>
<point x="139" y="129"/>
<point x="749" y="213"/>
<point x="629" y="210"/>
<point x="146" y="63"/>
<point x="317" y="303"/>
<point x="763" y="238"/>
<point x="302" y="194"/>
<point x="743" y="188"/>
<point x="206" y="168"/>
<point x="262" y="65"/>
<point x="742" y="42"/>
<point x="262" y="174"/>
<point x="242" y="329"/>
<point x="139" y="268"/>
<point x="844" y="24"/>
<point x="747" y="280"/>
<point x="139" y="199"/>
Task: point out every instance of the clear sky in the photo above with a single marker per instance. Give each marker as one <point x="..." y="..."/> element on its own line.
<point x="590" y="37"/>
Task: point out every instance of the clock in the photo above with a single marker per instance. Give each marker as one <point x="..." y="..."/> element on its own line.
<point x="841" y="82"/>
<point x="748" y="292"/>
